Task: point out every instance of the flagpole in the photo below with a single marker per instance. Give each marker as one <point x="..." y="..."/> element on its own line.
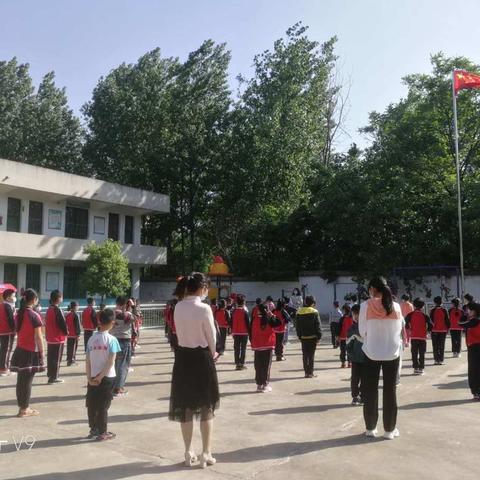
<point x="459" y="198"/>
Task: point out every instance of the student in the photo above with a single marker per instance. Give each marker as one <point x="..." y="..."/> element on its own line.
<point x="240" y="329"/>
<point x="73" y="327"/>
<point x="440" y="326"/>
<point x="455" y="315"/>
<point x="122" y="331"/>
<point x="262" y="340"/>
<point x="214" y="305"/>
<point x="472" y="325"/>
<point x="406" y="307"/>
<point x="281" y="313"/>
<point x="102" y="349"/>
<point x="170" y="322"/>
<point x="7" y="330"/>
<point x="309" y="332"/>
<point x="344" y="325"/>
<point x="380" y="324"/>
<point x="418" y="324"/>
<point x="269" y="303"/>
<point x="222" y="317"/>
<point x="334" y="318"/>
<point x="134" y="328"/>
<point x="56" y="333"/>
<point x="356" y="356"/>
<point x="89" y="321"/>
<point x="28" y="356"/>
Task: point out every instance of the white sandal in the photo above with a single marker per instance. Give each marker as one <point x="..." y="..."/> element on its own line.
<point x="207" y="459"/>
<point x="190" y="459"/>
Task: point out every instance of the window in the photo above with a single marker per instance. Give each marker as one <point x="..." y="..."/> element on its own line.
<point x="54" y="219"/>
<point x="72" y="282"/>
<point x="10" y="273"/>
<point x="52" y="281"/>
<point x="14" y="214"/>
<point x="113" y="228"/>
<point x="128" y="229"/>
<point x="33" y="277"/>
<point x="76" y="223"/>
<point x="35" y="218"/>
<point x="99" y="225"/>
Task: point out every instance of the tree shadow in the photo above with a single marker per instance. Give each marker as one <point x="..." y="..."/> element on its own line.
<point x="452" y="385"/>
<point x="117" y="419"/>
<point x="300" y="410"/>
<point x="325" y="390"/>
<point x="113" y="472"/>
<point x="441" y="403"/>
<point x="290" y="449"/>
<point x="39" y="400"/>
<point x="251" y="380"/>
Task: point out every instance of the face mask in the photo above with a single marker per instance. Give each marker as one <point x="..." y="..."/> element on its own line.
<point x="12" y="304"/>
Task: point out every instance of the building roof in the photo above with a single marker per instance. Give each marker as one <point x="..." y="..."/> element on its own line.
<point x="17" y="175"/>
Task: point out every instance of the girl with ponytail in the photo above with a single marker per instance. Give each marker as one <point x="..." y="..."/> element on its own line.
<point x="380" y="324"/>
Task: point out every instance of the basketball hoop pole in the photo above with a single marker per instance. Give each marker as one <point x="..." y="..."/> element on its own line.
<point x="459" y="197"/>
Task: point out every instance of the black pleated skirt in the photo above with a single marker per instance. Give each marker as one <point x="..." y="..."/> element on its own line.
<point x="26" y="361"/>
<point x="194" y="390"/>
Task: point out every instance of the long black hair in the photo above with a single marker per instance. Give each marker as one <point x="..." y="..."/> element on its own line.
<point x="263" y="315"/>
<point x="381" y="285"/>
<point x="190" y="284"/>
<point x="29" y="297"/>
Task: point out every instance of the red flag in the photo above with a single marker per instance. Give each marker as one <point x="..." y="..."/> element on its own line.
<point x="463" y="79"/>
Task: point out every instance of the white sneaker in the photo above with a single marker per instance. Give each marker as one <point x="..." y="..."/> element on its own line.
<point x="267" y="388"/>
<point x="371" y="433"/>
<point x="391" y="435"/>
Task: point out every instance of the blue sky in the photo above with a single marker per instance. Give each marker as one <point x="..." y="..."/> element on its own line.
<point x="379" y="41"/>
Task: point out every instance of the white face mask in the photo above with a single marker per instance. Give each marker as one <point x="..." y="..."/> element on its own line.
<point x="12" y="304"/>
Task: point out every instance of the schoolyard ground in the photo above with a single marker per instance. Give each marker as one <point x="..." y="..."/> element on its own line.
<point x="304" y="429"/>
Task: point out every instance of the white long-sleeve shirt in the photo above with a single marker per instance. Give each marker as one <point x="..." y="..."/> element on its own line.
<point x="194" y="324"/>
<point x="381" y="333"/>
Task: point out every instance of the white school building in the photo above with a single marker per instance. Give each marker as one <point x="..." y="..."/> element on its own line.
<point x="47" y="216"/>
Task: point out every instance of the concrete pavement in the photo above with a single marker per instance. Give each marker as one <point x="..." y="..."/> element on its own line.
<point x="305" y="428"/>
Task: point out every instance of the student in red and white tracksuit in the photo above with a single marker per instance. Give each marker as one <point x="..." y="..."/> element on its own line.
<point x="406" y="307"/>
<point x="262" y="340"/>
<point x="440" y="326"/>
<point x="343" y="327"/>
<point x="418" y="324"/>
<point x="281" y="313"/>
<point x="472" y="324"/>
<point x="240" y="328"/>
<point x="89" y="321"/>
<point x="222" y="317"/>
<point x="7" y="330"/>
<point x="73" y="327"/>
<point x="56" y="333"/>
<point x="455" y="314"/>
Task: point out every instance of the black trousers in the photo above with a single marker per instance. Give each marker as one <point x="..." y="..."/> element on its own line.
<point x="356" y="380"/>
<point x="86" y="337"/>
<point x="24" y="388"/>
<point x="54" y="358"/>
<point x="72" y="344"/>
<point x="308" y="349"/>
<point x="279" y="337"/>
<point x="456" y="336"/>
<point x="262" y="362"/>
<point x="223" y="339"/>
<point x="418" y="348"/>
<point x="438" y="345"/>
<point x="370" y="376"/>
<point x="99" y="399"/>
<point x="334" y="333"/>
<point x="240" y="348"/>
<point x="343" y="351"/>
<point x="6" y="344"/>
<point x="474" y="368"/>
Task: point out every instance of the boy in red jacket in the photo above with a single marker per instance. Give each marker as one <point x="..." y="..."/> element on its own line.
<point x="240" y="329"/>
<point x="440" y="326"/>
<point x="73" y="327"/>
<point x="343" y="327"/>
<point x="7" y="330"/>
<point x="417" y="323"/>
<point x="89" y="321"/>
<point x="56" y="332"/>
<point x="472" y="324"/>
<point x="262" y="340"/>
<point x="455" y="314"/>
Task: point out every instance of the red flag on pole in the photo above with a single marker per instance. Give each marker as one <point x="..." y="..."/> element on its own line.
<point x="463" y="79"/>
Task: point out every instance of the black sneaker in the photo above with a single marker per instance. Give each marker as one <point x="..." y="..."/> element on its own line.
<point x="355" y="401"/>
<point x="93" y="433"/>
<point x="238" y="367"/>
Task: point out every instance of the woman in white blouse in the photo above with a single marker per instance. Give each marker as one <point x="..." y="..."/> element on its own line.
<point x="380" y="324"/>
<point x="194" y="390"/>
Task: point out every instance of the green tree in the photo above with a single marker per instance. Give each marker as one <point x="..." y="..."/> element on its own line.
<point x="106" y="269"/>
<point x="38" y="127"/>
